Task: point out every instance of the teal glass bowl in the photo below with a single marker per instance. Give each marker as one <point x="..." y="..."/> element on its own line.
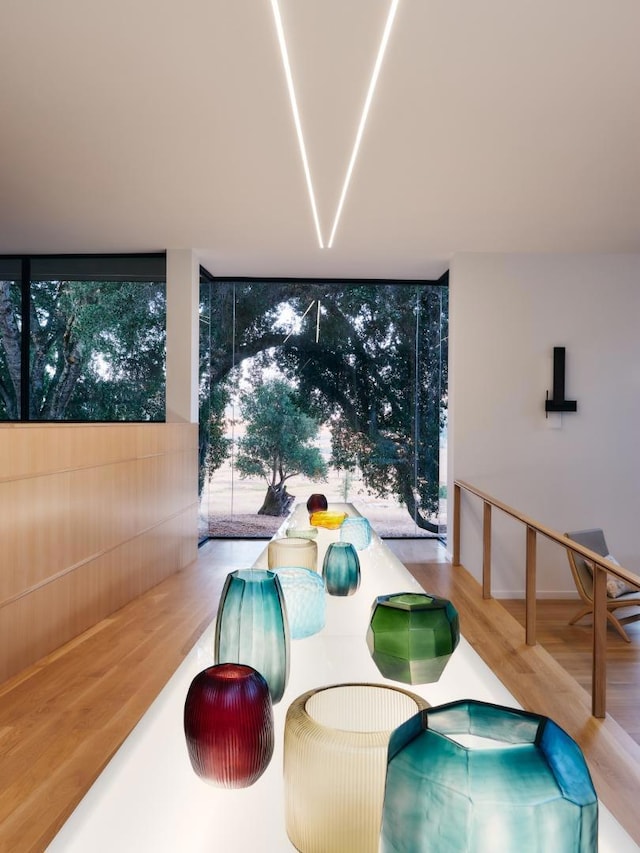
<point x="252" y="626"/>
<point x="305" y="598"/>
<point x="357" y="530"/>
<point x="474" y="777"/>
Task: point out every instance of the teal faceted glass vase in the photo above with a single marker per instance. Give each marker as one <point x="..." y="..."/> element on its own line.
<point x="412" y="636"/>
<point x="341" y="569"/>
<point x="305" y="598"/>
<point x="252" y="626"/>
<point x="474" y="777"/>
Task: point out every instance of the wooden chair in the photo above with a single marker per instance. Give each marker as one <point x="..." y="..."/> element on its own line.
<point x="583" y="578"/>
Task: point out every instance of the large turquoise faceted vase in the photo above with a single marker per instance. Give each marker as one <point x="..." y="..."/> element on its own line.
<point x="473" y="777"/>
<point x="412" y="636"/>
<point x="341" y="569"/>
<point x="252" y="626"/>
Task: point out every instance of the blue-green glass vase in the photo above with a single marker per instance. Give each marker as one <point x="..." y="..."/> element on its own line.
<point x="252" y="626"/>
<point x="341" y="569"/>
<point x="474" y="777"/>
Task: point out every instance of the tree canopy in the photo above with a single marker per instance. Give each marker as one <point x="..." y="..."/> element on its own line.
<point x="369" y="360"/>
<point x="96" y="350"/>
<point x="278" y="443"/>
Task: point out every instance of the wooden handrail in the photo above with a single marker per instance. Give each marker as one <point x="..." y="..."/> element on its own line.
<point x="601" y="566"/>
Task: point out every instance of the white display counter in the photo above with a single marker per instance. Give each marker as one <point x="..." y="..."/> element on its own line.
<point x="148" y="798"/>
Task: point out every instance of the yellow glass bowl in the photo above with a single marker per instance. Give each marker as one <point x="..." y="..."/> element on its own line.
<point x="327" y="518"/>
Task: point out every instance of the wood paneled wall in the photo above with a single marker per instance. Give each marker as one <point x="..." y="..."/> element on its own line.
<point x="91" y="516"/>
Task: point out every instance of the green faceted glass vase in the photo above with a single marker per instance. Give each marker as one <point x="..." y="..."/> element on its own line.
<point x="412" y="636"/>
<point x="474" y="777"/>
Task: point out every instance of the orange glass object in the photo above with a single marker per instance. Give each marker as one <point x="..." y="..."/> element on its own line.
<point x="327" y="518"/>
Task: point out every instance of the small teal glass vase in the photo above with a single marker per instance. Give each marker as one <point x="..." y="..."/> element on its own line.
<point x="356" y="530"/>
<point x="341" y="569"/>
<point x="252" y="626"/>
<point x="305" y="598"/>
<point x="480" y="778"/>
<point x="412" y="636"/>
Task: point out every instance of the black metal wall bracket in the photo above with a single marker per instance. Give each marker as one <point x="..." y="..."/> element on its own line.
<point x="558" y="403"/>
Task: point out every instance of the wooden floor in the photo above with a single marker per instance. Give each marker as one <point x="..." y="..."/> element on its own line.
<point x="570" y="645"/>
<point x="62" y="719"/>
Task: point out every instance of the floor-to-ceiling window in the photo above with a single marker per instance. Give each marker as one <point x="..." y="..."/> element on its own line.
<point x="333" y="386"/>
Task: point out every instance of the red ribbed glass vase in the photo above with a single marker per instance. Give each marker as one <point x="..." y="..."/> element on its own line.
<point x="316" y="502"/>
<point x="228" y="725"/>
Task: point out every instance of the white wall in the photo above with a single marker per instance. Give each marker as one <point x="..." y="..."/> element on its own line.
<point x="183" y="299"/>
<point x="507" y="312"/>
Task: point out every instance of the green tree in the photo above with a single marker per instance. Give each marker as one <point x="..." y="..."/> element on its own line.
<point x="213" y="445"/>
<point x="97" y="350"/>
<point x="375" y="362"/>
<point x="277" y="444"/>
<point x="239" y="324"/>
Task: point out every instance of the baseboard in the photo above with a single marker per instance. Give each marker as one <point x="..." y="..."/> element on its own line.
<point x="547" y="595"/>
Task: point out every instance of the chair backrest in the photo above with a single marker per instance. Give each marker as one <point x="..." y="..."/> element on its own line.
<point x="581" y="570"/>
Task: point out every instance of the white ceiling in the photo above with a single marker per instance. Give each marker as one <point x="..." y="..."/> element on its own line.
<point x="139" y="125"/>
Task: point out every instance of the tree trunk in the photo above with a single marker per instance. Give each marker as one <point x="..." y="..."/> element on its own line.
<point x="10" y="337"/>
<point x="277" y="501"/>
<point x="406" y="492"/>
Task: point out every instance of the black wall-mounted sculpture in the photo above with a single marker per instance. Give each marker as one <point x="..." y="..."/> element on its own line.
<point x="558" y="403"/>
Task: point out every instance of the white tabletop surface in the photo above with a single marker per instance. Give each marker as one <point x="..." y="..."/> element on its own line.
<point x="148" y="797"/>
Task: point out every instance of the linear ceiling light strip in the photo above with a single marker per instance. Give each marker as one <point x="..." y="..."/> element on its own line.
<point x="365" y="112"/>
<point x="296" y="115"/>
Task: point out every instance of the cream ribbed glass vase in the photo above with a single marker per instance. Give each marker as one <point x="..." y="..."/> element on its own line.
<point x="292" y="551"/>
<point x="335" y="758"/>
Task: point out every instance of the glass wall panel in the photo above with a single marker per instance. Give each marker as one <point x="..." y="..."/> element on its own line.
<point x="338" y="387"/>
